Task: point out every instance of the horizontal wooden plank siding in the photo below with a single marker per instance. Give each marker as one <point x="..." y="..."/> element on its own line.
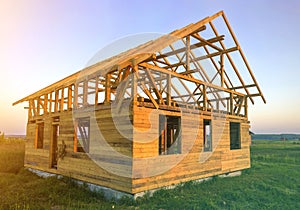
<point x="108" y="162"/>
<point x="192" y="163"/>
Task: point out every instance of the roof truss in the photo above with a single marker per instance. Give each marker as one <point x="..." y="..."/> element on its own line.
<point x="192" y="65"/>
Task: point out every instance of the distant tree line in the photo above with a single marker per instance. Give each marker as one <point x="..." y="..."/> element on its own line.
<point x="276" y="137"/>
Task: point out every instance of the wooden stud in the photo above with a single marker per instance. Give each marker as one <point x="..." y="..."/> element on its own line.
<point x="45" y="105"/>
<point x="75" y="102"/>
<point x="169" y="93"/>
<point x="38" y="107"/>
<point x="70" y="97"/>
<point x="222" y="69"/>
<point x="56" y="101"/>
<point x="62" y="100"/>
<point x="97" y="90"/>
<point x="85" y="92"/>
<point x="107" y="88"/>
<point x="187" y="52"/>
<point x="153" y="85"/>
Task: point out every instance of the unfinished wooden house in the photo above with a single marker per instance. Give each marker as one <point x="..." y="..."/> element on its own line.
<point x="170" y="110"/>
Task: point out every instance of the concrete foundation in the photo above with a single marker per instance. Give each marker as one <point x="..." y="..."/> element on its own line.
<point x="111" y="194"/>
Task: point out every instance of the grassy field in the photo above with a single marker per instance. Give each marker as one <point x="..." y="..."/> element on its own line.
<point x="273" y="182"/>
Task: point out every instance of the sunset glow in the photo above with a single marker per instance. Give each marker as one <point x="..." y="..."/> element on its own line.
<point x="42" y="43"/>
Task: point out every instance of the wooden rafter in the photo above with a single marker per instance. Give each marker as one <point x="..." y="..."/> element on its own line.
<point x="157" y="67"/>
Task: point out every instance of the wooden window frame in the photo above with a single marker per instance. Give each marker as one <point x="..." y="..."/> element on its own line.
<point x="169" y="135"/>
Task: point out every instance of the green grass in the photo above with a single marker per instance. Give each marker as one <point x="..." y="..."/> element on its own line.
<point x="11" y="155"/>
<point x="273" y="182"/>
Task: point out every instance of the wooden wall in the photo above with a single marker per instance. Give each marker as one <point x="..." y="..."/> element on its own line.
<point x="108" y="162"/>
<point x="192" y="163"/>
<point x="126" y="157"/>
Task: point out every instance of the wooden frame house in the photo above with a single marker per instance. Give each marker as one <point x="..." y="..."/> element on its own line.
<point x="170" y="110"/>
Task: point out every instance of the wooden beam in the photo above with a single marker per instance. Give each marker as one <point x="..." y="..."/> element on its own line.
<point x="197" y="36"/>
<point x="69" y="97"/>
<point x="97" y="90"/>
<point x="169" y="80"/>
<point x="147" y="92"/>
<point x="134" y="79"/>
<point x="217" y="69"/>
<point x="194" y="46"/>
<point x="75" y="102"/>
<point x="188" y="90"/>
<point x="244" y="58"/>
<point x="50" y="102"/>
<point x="56" y="101"/>
<point x="121" y="91"/>
<point x="34" y="107"/>
<point x="222" y="69"/>
<point x="231" y="104"/>
<point x="38" y="106"/>
<point x="45" y="105"/>
<point x="231" y="61"/>
<point x="240" y="105"/>
<point x="85" y="92"/>
<point x="204" y="97"/>
<point x="61" y="107"/>
<point x="153" y="85"/>
<point x="226" y="51"/>
<point x="156" y="68"/>
<point x="188" y="49"/>
<point x="107" y="88"/>
<point x="241" y="87"/>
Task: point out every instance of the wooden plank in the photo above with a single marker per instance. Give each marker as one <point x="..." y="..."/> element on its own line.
<point x="70" y="97"/>
<point x="153" y="85"/>
<point x="107" y="89"/>
<point x="197" y="81"/>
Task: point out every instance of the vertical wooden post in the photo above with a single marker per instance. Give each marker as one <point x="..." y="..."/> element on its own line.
<point x="169" y="89"/>
<point x="50" y="102"/>
<point x="134" y="84"/>
<point x="222" y="69"/>
<point x="96" y="89"/>
<point x="75" y="103"/>
<point x="46" y="104"/>
<point x="30" y="109"/>
<point x="187" y="56"/>
<point x="62" y="100"/>
<point x="231" y="103"/>
<point x="38" y="108"/>
<point x="56" y="100"/>
<point x="246" y="106"/>
<point x="34" y="107"/>
<point x="107" y="88"/>
<point x="204" y="98"/>
<point x="85" y="92"/>
<point x="70" y="97"/>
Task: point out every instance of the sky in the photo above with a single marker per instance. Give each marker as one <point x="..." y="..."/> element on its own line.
<point x="42" y="42"/>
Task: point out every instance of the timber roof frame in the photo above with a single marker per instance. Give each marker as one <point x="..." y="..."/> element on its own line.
<point x="150" y="55"/>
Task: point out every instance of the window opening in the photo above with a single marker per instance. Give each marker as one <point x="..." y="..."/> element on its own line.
<point x="235" y="137"/>
<point x="169" y="135"/>
<point x="82" y="135"/>
<point x="207" y="139"/>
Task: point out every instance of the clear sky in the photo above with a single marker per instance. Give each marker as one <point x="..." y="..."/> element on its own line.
<point x="44" y="41"/>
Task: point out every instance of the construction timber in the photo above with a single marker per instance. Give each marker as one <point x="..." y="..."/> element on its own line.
<point x="170" y="110"/>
